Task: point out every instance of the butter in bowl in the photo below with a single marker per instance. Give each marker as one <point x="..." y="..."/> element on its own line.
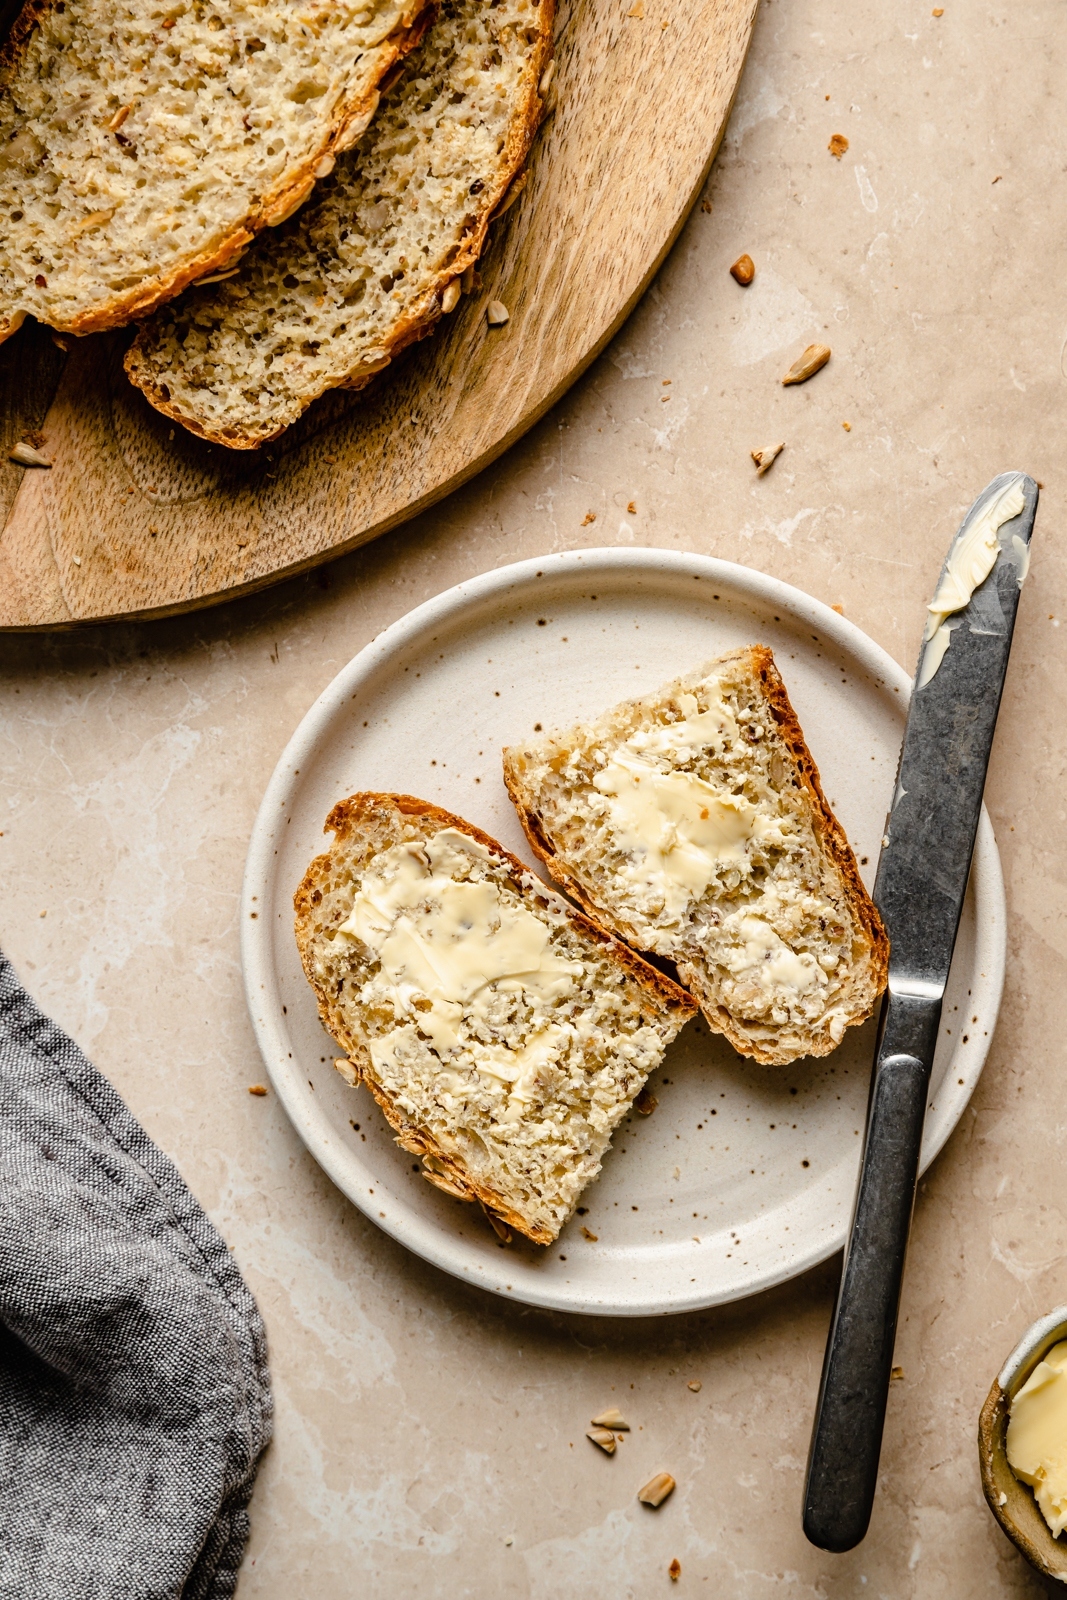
<point x="1022" y="1445"/>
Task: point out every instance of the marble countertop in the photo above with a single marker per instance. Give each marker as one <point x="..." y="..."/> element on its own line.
<point x="429" y="1438"/>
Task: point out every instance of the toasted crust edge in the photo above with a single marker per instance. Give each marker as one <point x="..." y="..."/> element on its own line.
<point x="828" y="830"/>
<point x="421" y="321"/>
<point x="344" y="820"/>
<point x="274" y="207"/>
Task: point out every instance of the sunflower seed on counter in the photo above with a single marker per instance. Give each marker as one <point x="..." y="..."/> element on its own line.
<point x="656" y="1490"/>
<point x="806" y="366"/>
<point x="766" y="457"/>
<point x="612" y="1419"/>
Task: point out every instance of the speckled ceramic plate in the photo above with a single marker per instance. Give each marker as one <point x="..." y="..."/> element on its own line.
<point x="744" y="1175"/>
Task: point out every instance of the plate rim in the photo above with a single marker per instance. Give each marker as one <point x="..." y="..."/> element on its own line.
<point x="311" y="1123"/>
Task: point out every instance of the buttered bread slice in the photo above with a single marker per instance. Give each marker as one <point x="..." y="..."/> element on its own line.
<point x="143" y="143"/>
<point x="692" y="824"/>
<point x="502" y="1034"/>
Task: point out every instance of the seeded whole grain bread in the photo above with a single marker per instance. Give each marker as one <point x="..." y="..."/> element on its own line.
<point x="502" y="1034"/>
<point x="143" y="143"/>
<point x="692" y="823"/>
<point x="370" y="263"/>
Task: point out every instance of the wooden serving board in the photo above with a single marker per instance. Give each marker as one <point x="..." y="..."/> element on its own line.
<point x="137" y="518"/>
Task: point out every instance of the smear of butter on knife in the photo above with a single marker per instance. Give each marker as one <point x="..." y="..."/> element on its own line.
<point x="970" y="561"/>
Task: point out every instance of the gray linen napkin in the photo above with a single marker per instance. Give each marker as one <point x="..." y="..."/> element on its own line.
<point x="134" y="1392"/>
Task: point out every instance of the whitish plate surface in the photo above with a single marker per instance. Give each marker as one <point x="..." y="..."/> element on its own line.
<point x="744" y="1175"/>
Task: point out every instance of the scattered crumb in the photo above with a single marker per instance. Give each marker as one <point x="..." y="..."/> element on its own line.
<point x="839" y="609"/>
<point x="743" y="270"/>
<point x="44" y="913"/>
<point x="587" y="1235"/>
<point x="897" y="1373"/>
<point x="331" y="461"/>
<point x="257" y="1088"/>
<point x="631" y="506"/>
<point x="509" y="1538"/>
<point x="646" y="1102"/>
<point x="837" y="146"/>
<point x="826" y="97"/>
<point x="496" y="313"/>
<point x="997" y="178"/>
<point x="847" y="427"/>
<point x="77" y="560"/>
<point x="589" y="517"/>
<point x="603" y="1438"/>
<point x="705" y="205"/>
<point x="612" y="1418"/>
<point x="695" y="1384"/>
<point x="938" y="11"/>
<point x="674" y="1571"/>
<point x="637" y="10"/>
<point x="664" y="25"/>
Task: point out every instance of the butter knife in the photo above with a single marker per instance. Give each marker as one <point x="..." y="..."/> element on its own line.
<point x="919" y="889"/>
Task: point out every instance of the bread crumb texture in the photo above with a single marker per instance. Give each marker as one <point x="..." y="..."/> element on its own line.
<point x="361" y="271"/>
<point x="692" y="823"/>
<point x="502" y="1034"/>
<point x="142" y="143"/>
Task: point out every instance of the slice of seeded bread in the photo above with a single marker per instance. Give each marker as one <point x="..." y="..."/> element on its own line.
<point x="143" y="143"/>
<point x="502" y="1034"/>
<point x="692" y="823"/>
<point x="374" y="258"/>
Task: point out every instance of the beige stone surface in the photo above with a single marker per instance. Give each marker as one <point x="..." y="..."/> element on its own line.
<point x="429" y="1439"/>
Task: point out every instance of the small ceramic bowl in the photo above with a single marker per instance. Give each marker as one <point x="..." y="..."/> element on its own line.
<point x="1012" y="1502"/>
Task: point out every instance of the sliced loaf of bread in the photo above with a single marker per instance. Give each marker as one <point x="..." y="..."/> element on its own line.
<point x="693" y="824"/>
<point x="144" y="142"/>
<point x="502" y="1034"/>
<point x="378" y="253"/>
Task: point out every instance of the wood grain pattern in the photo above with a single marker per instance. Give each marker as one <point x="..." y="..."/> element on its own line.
<point x="138" y="518"/>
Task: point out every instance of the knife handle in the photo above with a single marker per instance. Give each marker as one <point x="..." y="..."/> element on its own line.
<point x="847" y="1437"/>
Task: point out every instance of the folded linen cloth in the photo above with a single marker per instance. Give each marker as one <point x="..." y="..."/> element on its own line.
<point x="135" y="1398"/>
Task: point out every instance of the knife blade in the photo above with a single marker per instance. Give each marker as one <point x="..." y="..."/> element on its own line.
<point x="919" y="891"/>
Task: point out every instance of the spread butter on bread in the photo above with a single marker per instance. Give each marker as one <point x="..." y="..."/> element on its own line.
<point x="692" y="824"/>
<point x="503" y="1035"/>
